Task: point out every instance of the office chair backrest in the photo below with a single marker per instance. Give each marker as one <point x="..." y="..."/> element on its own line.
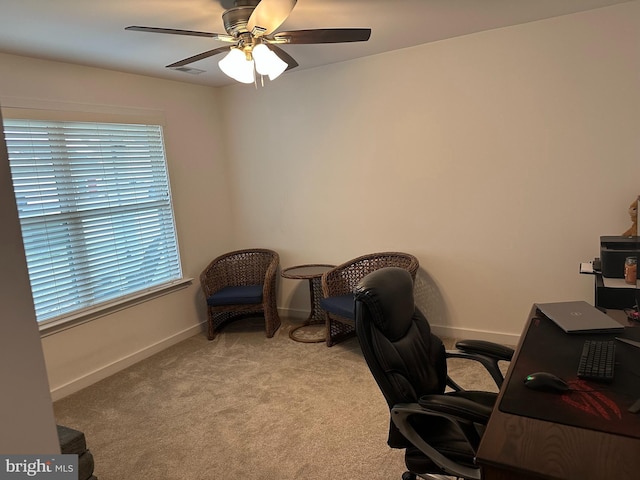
<point x="405" y="359"/>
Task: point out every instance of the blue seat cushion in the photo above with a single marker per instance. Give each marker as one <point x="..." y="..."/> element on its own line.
<point x="343" y="305"/>
<point x="241" y="294"/>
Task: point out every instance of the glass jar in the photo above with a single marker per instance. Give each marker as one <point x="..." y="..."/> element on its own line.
<point x="631" y="270"/>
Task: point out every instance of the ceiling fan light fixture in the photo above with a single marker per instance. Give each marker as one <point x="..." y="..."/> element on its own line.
<point x="236" y="66"/>
<point x="267" y="62"/>
<point x="250" y="26"/>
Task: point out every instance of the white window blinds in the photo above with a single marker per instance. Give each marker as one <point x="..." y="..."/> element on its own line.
<point x="95" y="209"/>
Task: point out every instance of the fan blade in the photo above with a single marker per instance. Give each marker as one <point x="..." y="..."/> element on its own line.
<point x="200" y="56"/>
<point x="284" y="56"/>
<point x="191" y="33"/>
<point x="269" y="15"/>
<point x="324" y="35"/>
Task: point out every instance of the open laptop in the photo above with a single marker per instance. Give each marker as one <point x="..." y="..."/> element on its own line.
<point x="579" y="317"/>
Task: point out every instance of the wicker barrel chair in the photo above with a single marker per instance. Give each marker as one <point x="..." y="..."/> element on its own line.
<point x="339" y="284"/>
<point x="241" y="284"/>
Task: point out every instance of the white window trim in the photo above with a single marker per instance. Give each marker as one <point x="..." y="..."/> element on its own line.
<point x="55" y="325"/>
<point x="24" y="108"/>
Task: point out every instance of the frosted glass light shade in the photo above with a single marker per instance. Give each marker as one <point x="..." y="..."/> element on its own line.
<point x="267" y="62"/>
<point x="236" y="65"/>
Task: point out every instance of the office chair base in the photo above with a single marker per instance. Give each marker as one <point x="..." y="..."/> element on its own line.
<point x="424" y="476"/>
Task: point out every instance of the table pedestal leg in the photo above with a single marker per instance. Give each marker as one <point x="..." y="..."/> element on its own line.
<point x="317" y="316"/>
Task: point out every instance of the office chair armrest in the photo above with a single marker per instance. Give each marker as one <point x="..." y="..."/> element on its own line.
<point x="400" y="414"/>
<point x="491" y="349"/>
<point x="486" y="353"/>
<point x="460" y="408"/>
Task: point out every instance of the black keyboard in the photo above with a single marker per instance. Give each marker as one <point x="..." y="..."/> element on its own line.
<point x="596" y="360"/>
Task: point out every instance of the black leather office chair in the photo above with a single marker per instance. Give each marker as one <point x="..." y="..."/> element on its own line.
<point x="439" y="431"/>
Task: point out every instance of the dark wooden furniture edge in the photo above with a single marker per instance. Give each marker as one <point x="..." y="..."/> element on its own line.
<point x="525" y="448"/>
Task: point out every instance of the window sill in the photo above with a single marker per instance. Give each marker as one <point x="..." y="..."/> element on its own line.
<point x="50" y="327"/>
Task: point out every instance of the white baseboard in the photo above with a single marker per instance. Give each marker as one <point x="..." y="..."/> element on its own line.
<point x="467" y="333"/>
<point x="440" y="330"/>
<point x="114" y="367"/>
<point x="293" y="313"/>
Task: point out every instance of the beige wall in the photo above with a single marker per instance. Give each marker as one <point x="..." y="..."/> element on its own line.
<point x="28" y="425"/>
<point x="498" y="159"/>
<point x="197" y="166"/>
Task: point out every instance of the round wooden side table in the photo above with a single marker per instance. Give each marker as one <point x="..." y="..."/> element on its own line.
<point x="317" y="316"/>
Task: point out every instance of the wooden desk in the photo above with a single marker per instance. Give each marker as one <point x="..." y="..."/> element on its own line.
<point x="523" y="448"/>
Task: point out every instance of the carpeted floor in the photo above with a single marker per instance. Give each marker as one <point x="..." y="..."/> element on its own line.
<point x="243" y="406"/>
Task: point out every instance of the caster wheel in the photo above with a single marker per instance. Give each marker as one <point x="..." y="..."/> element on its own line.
<point x="408" y="476"/>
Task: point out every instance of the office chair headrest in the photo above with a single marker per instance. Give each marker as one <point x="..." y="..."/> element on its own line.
<point x="388" y="294"/>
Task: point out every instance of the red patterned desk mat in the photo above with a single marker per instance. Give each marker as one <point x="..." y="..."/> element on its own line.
<point x="592" y="405"/>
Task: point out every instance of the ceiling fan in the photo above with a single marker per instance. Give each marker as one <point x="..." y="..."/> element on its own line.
<point x="250" y="27"/>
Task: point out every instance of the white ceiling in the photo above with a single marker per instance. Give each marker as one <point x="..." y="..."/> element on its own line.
<point x="91" y="32"/>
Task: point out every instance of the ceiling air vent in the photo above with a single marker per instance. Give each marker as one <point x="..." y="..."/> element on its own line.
<point x="192" y="71"/>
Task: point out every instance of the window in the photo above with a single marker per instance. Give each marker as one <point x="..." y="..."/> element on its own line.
<point x="94" y="204"/>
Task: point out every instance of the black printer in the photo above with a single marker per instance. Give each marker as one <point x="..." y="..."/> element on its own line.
<point x="614" y="251"/>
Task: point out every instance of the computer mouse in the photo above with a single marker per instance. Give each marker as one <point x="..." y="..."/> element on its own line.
<point x="545" y="382"/>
